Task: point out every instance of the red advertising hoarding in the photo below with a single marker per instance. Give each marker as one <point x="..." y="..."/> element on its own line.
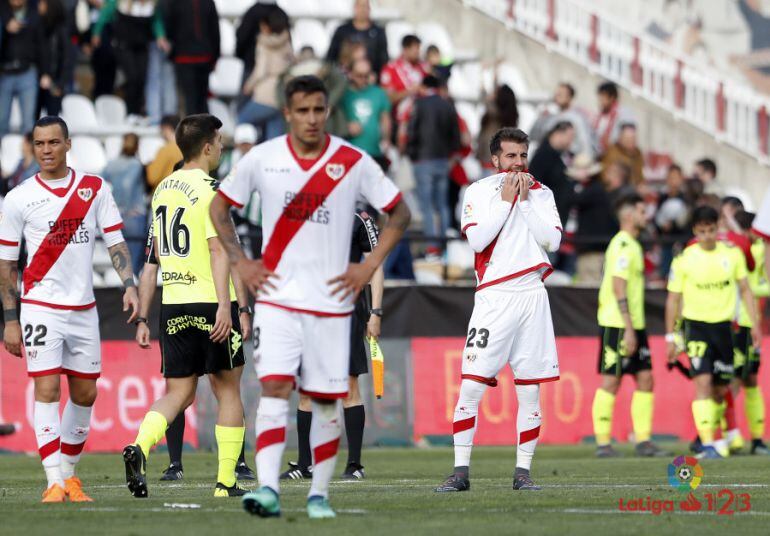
<point x="566" y="404"/>
<point x="130" y="382"/>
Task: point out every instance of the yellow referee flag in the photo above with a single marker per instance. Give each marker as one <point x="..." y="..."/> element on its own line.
<point x="378" y="367"/>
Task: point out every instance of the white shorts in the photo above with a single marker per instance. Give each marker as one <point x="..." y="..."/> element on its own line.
<point x="61" y="341"/>
<point x="288" y="344"/>
<point x="511" y="327"/>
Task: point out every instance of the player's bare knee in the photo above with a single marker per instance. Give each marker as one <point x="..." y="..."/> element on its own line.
<point x="611" y="384"/>
<point x="305" y="403"/>
<point x="84" y="396"/>
<point x="277" y="389"/>
<point x="644" y="382"/>
<point x="47" y="389"/>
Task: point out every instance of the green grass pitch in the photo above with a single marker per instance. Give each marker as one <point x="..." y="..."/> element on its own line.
<point x="580" y="496"/>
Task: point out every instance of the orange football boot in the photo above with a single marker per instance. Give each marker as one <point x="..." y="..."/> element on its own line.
<point x="74" y="488"/>
<point x="54" y="494"/>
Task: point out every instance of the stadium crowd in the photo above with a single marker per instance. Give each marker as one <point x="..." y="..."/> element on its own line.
<point x="158" y="54"/>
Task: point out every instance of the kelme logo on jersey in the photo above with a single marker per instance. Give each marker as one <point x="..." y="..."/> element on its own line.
<point x="85" y="194"/>
<point x="335" y="171"/>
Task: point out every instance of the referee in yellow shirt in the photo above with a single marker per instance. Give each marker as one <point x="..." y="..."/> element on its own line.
<point x="623" y="338"/>
<point x="199" y="310"/>
<point x="704" y="281"/>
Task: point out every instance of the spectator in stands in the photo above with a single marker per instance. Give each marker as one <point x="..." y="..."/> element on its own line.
<point x="160" y="92"/>
<point x="135" y="24"/>
<point x="306" y="53"/>
<point x="273" y="56"/>
<point x="168" y="155"/>
<point x="672" y="217"/>
<point x="26" y="167"/>
<point x="706" y="172"/>
<point x="401" y="79"/>
<point x="248" y="30"/>
<point x="548" y="166"/>
<point x="502" y="111"/>
<point x="433" y="134"/>
<point x="563" y="109"/>
<point x="126" y="176"/>
<point x="436" y="64"/>
<point x="23" y="62"/>
<point x="611" y="116"/>
<point x="626" y="152"/>
<point x="361" y="29"/>
<point x="596" y="224"/>
<point x="367" y="110"/>
<point x="351" y="52"/>
<point x="60" y="53"/>
<point x="192" y="27"/>
<point x="244" y="138"/>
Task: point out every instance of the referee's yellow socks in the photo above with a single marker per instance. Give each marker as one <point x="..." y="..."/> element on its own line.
<point x="604" y="404"/>
<point x="229" y="443"/>
<point x="755" y="412"/>
<point x="641" y="415"/>
<point x="703" y="412"/>
<point x="152" y="430"/>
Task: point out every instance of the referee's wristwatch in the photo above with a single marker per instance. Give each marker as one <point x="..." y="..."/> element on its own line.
<point x="246" y="309"/>
<point x="140" y="320"/>
<point x="377" y="312"/>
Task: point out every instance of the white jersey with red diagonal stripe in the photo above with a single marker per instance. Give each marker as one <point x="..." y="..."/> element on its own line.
<point x="59" y="221"/>
<point x="308" y="208"/>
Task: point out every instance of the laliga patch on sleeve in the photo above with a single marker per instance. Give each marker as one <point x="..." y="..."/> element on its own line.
<point x="622" y="263"/>
<point x="468" y="211"/>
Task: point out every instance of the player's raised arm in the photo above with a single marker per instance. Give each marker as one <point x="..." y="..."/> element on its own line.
<point x="542" y="217"/>
<point x="482" y="222"/>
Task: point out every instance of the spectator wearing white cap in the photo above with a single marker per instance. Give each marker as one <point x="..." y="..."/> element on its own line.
<point x="244" y="138"/>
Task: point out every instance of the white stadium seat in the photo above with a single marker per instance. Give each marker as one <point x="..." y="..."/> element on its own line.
<point x="79" y="113"/>
<point x="233" y="8"/>
<point x="10" y="153"/>
<point x="395" y="31"/>
<point x="433" y="33"/>
<point x="310" y="32"/>
<point x="471" y="113"/>
<point x="227" y="37"/>
<point x="301" y="8"/>
<point x="508" y="73"/>
<point x="342" y="9"/>
<point x="527" y="116"/>
<point x="465" y="82"/>
<point x="87" y="154"/>
<point x="220" y="109"/>
<point x="149" y="147"/>
<point x="110" y="110"/>
<point x="113" y="146"/>
<point x="225" y="81"/>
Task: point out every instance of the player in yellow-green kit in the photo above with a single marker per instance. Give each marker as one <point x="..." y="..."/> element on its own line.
<point x="623" y="338"/>
<point x="746" y="358"/>
<point x="704" y="282"/>
<point x="198" y="311"/>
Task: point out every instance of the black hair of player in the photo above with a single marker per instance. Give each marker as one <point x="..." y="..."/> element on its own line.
<point x="569" y="87"/>
<point x="629" y="200"/>
<point x="304" y="84"/>
<point x="431" y="81"/>
<point x="744" y="219"/>
<point x="733" y="202"/>
<point x="705" y="215"/>
<point x="49" y="121"/>
<point x="708" y="165"/>
<point x="194" y="132"/>
<point x="516" y="135"/>
<point x="410" y="40"/>
<point x="179" y="165"/>
<point x="608" y="88"/>
<point x="170" y="121"/>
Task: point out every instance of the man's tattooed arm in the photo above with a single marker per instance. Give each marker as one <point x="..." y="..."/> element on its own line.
<point x="121" y="260"/>
<point x="9" y="276"/>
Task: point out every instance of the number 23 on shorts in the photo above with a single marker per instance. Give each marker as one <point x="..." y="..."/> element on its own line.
<point x="481" y="342"/>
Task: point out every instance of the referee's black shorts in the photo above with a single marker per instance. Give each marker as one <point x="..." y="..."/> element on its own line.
<point x="358" y="361"/>
<point x="186" y="348"/>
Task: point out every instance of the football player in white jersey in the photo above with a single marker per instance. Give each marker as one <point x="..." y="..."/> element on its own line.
<point x="511" y="222"/>
<point x="308" y="182"/>
<point x="58" y="213"/>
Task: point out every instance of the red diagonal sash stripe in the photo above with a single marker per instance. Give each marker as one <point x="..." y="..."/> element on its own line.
<point x="528" y="435"/>
<point x="72" y="449"/>
<point x="463" y="425"/>
<point x="308" y="199"/>
<point x="271" y="437"/>
<point x="55" y="241"/>
<point x="49" y="448"/>
<point x="325" y="451"/>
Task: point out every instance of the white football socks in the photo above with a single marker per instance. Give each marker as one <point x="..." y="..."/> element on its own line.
<point x="75" y="425"/>
<point x="272" y="415"/>
<point x="324" y="441"/>
<point x="528" y="419"/>
<point x="47" y="433"/>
